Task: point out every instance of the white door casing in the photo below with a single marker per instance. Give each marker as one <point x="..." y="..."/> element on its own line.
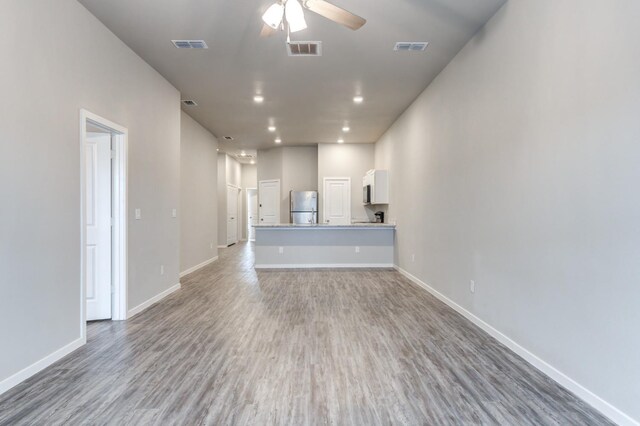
<point x="269" y="201"/>
<point x="336" y="201"/>
<point x="252" y="213"/>
<point x="232" y="214"/>
<point x="98" y="225"/>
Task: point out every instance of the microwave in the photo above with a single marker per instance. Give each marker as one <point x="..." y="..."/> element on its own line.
<point x="366" y="194"/>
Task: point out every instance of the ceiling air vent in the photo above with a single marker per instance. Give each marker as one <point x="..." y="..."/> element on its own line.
<point x="304" y="48"/>
<point x="229" y="138"/>
<point x="189" y="102"/>
<point x="190" y="44"/>
<point x="410" y="46"/>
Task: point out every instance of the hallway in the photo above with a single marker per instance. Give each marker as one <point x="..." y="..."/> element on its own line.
<point x="316" y="347"/>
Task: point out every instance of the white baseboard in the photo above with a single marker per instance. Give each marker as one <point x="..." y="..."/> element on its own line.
<point x="585" y="394"/>
<point x="195" y="268"/>
<point x="222" y="247"/>
<point x="324" y="265"/>
<point x="155" y="299"/>
<point x="38" y="366"/>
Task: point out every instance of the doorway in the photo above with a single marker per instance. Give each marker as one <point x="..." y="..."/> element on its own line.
<point x="269" y="201"/>
<point x="103" y="189"/>
<point x="252" y="213"/>
<point x="337" y="201"/>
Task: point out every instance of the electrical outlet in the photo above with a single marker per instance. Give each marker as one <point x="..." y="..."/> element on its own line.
<point x="357" y="249"/>
<point x="280" y="250"/>
<point x="138" y="214"/>
<point x="174" y="213"/>
<point x="413" y="257"/>
<point x="161" y="269"/>
<point x="472" y="286"/>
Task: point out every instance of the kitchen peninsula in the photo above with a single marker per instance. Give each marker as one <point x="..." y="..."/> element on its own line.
<point x="360" y="245"/>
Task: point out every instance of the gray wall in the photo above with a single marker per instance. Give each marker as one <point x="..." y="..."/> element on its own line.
<point x="62" y="59"/>
<point x="296" y="167"/>
<point x="526" y="159"/>
<point x="198" y="195"/>
<point x="347" y="160"/>
<point x="299" y="173"/>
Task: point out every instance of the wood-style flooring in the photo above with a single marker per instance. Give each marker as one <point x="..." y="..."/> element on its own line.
<point x="292" y="348"/>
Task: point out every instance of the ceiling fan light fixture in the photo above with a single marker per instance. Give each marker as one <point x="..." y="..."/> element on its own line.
<point x="273" y="16"/>
<point x="295" y="16"/>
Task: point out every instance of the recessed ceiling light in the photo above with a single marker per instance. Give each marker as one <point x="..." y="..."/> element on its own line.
<point x="258" y="99"/>
<point x="358" y="99"/>
<point x="272" y="128"/>
<point x="340" y="140"/>
<point x="346" y="129"/>
<point x="253" y="162"/>
<point x="278" y="140"/>
<point x="243" y="154"/>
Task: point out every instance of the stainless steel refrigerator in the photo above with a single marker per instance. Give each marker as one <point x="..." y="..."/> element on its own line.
<point x="304" y="207"/>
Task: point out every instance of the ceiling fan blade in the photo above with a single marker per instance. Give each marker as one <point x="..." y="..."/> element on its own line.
<point x="335" y="13"/>
<point x="267" y="31"/>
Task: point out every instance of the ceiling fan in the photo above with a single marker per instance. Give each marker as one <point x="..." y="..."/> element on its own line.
<point x="291" y="13"/>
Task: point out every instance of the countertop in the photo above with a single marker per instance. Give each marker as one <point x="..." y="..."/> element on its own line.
<point x="325" y="226"/>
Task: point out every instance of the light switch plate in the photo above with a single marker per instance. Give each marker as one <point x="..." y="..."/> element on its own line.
<point x="138" y="214"/>
<point x="174" y="213"/>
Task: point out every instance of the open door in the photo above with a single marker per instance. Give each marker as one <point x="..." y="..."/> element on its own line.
<point x="252" y="213"/>
<point x="232" y="215"/>
<point x="98" y="247"/>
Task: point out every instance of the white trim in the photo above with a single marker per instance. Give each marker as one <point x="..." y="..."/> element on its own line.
<point x="155" y="299"/>
<point x="585" y="394"/>
<point x="198" y="266"/>
<point x="223" y="247"/>
<point x="38" y="366"/>
<point x="119" y="231"/>
<point x="120" y="234"/>
<point x="324" y="265"/>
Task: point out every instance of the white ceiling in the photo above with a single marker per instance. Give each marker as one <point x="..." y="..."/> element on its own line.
<point x="309" y="99"/>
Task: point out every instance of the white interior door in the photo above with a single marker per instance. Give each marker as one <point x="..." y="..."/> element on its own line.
<point x="337" y="201"/>
<point x="252" y="213"/>
<point x="269" y="201"/>
<point x="232" y="215"/>
<point x="98" y="222"/>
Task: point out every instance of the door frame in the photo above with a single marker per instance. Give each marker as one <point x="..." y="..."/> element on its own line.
<point x="246" y="200"/>
<point x="278" y="201"/>
<point x="324" y="195"/>
<point x="119" y="180"/>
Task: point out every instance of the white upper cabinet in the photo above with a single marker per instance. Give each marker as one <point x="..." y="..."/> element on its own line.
<point x="377" y="182"/>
